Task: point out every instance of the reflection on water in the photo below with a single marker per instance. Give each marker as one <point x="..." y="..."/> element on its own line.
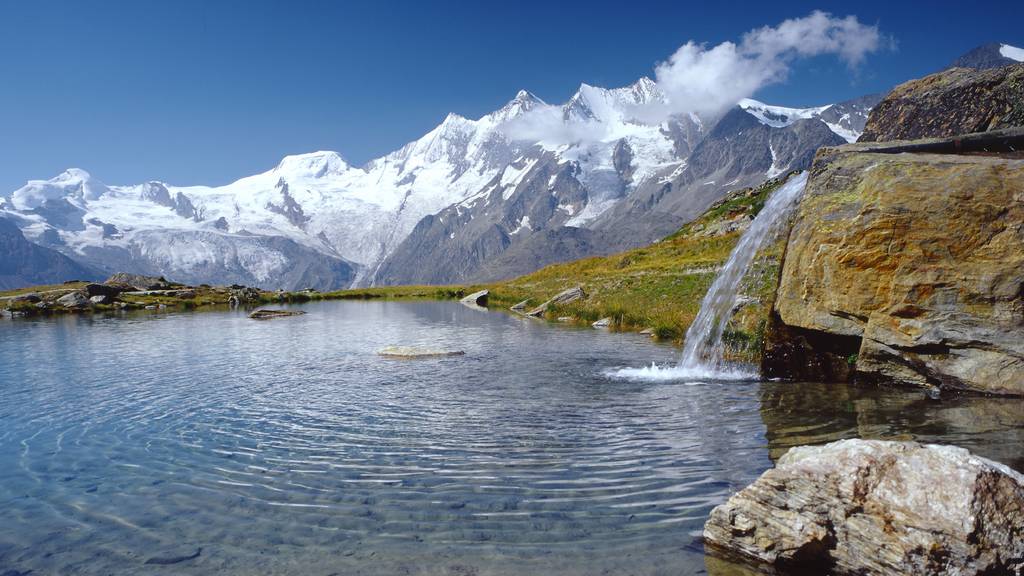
<point x="290" y="447"/>
<point x="796" y="414"/>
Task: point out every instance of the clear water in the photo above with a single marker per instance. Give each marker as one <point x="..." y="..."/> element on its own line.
<point x="289" y="447"/>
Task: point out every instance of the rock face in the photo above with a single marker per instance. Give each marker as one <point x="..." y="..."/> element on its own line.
<point x="906" y="267"/>
<point x="23" y="263"/>
<point x="877" y="507"/>
<point x="949" y="103"/>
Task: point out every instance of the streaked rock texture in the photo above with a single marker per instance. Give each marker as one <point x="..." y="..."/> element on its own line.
<point x="906" y="267"/>
<point x="877" y="507"/>
<point x="952" y="102"/>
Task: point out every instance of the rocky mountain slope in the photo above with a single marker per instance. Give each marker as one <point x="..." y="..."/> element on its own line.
<point x="633" y="186"/>
<point x="23" y="263"/>
<point x="506" y="193"/>
<point x="992" y="55"/>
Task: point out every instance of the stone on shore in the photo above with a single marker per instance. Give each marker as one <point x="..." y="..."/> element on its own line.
<point x="417" y="352"/>
<point x="602" y="323"/>
<point x="563" y="297"/>
<point x="520" y="306"/>
<point x="877" y="507"/>
<point x="112" y="291"/>
<point x="478" y="299"/>
<point x="268" y="314"/>
<point x="137" y="281"/>
<point x="73" y="300"/>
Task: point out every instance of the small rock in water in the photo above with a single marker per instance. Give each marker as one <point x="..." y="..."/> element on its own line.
<point x="477" y="299"/>
<point x="168" y="560"/>
<point x="877" y="507"/>
<point x="602" y="323"/>
<point x="417" y="352"/>
<point x="565" y="318"/>
<point x="267" y="314"/>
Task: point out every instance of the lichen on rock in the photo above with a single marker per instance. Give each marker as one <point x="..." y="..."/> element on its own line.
<point x="877" y="507"/>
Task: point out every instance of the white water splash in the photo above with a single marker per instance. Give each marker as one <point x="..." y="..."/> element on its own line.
<point x="703" y="357"/>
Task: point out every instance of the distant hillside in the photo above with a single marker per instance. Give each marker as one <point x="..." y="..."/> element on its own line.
<point x="23" y="263"/>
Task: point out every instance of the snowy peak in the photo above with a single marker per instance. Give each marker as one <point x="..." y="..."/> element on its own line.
<point x="845" y="119"/>
<point x="993" y="55"/>
<point x="311" y="166"/>
<point x="1011" y="52"/>
<point x="73" y="183"/>
<point x="591" y="103"/>
<point x="523" y="102"/>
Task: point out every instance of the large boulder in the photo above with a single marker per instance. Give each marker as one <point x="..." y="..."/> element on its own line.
<point x="138" y="281"/>
<point x="877" y="507"/>
<point x="949" y="103"/>
<point x="73" y="300"/>
<point x="906" y="267"/>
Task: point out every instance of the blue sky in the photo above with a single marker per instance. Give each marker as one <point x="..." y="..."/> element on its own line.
<point x="194" y="92"/>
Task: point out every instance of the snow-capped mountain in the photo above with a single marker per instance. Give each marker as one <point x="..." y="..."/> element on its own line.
<point x="527" y="184"/>
<point x="617" y="181"/>
<point x="994" y="55"/>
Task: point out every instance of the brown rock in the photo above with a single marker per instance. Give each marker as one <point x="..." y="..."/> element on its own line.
<point x="949" y="103"/>
<point x="908" y="266"/>
<point x="877" y="507"/>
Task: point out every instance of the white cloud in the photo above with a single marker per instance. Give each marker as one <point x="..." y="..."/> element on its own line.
<point x="709" y="81"/>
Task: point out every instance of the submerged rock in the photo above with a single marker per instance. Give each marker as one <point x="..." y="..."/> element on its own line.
<point x="417" y="352"/>
<point x="267" y="314"/>
<point x="907" y="268"/>
<point x="563" y="297"/>
<point x="877" y="507"/>
<point x="477" y="299"/>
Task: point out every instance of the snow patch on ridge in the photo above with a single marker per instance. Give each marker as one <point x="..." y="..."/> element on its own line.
<point x="1012" y="52"/>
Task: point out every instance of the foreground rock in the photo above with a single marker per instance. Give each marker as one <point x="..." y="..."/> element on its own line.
<point x="417" y="352"/>
<point x="478" y="299"/>
<point x="907" y="268"/>
<point x="953" y="102"/>
<point x="563" y="297"/>
<point x="268" y="314"/>
<point x="875" y="507"/>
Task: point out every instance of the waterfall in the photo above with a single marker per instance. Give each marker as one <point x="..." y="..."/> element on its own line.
<point x="702" y="350"/>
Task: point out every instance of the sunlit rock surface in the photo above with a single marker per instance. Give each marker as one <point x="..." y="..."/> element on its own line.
<point x="907" y="267"/>
<point x="876" y="507"/>
<point x="949" y="103"/>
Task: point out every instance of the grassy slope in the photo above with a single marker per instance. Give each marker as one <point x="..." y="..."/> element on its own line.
<point x="658" y="287"/>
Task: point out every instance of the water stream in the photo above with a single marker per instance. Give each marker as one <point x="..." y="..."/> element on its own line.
<point x="703" y="352"/>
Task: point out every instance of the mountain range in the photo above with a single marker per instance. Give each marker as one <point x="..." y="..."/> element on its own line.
<point x="472" y="200"/>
